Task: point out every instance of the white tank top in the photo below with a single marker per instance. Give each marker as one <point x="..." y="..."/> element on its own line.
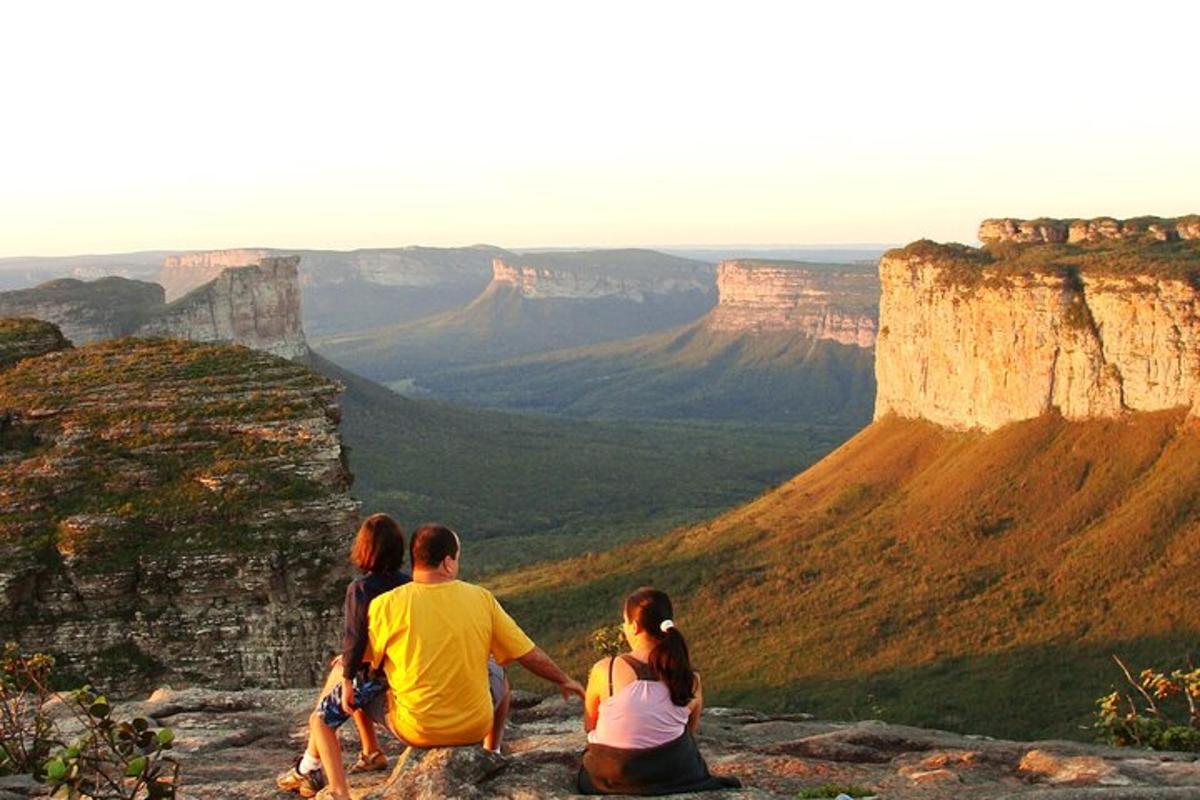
<point x="639" y="716"/>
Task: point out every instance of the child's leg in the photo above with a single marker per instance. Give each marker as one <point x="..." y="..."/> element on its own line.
<point x="366" y="732"/>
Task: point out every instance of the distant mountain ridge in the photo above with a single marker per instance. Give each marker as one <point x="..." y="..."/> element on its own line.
<point x="786" y="342"/>
<point x="557" y="300"/>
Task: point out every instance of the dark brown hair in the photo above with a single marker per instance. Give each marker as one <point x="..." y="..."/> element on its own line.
<point x="649" y="608"/>
<point x="379" y="545"/>
<point x="431" y="544"/>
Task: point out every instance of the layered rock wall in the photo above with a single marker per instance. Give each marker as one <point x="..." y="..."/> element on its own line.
<point x="827" y="303"/>
<point x="182" y="273"/>
<point x="173" y="511"/>
<point x="622" y="278"/>
<point x="1073" y="231"/>
<point x="87" y="311"/>
<point x="258" y="306"/>
<point x="1004" y="345"/>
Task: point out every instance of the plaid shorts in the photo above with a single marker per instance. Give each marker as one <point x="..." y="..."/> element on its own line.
<point x="370" y="694"/>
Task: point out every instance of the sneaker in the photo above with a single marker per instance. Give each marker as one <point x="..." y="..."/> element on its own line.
<point x="370" y="762"/>
<point x="305" y="784"/>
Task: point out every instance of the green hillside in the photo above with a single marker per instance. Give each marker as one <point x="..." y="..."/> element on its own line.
<point x="957" y="580"/>
<point x="524" y="488"/>
<point x="690" y="372"/>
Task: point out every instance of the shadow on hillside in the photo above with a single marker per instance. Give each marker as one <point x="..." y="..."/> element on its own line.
<point x="989" y="695"/>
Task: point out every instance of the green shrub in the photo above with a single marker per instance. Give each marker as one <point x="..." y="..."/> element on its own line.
<point x="110" y="759"/>
<point x="1168" y="717"/>
<point x="608" y="641"/>
<point x="26" y="731"/>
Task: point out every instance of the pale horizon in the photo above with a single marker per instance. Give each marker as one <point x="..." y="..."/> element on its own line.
<point x="137" y="126"/>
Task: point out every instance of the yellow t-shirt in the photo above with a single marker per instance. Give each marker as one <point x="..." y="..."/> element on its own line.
<point x="433" y="640"/>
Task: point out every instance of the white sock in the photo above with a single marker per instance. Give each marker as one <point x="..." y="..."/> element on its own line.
<point x="308" y="764"/>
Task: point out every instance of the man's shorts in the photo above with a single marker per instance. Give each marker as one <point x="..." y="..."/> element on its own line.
<point x="370" y="694"/>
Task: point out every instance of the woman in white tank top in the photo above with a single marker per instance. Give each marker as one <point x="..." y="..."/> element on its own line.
<point x="650" y="696"/>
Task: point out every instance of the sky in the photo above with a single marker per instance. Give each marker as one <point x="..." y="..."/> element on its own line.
<point x="160" y="125"/>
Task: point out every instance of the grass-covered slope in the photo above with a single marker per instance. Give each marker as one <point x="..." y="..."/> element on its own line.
<point x="524" y="488"/>
<point x="692" y="372"/>
<point x="960" y="580"/>
<point x="132" y="444"/>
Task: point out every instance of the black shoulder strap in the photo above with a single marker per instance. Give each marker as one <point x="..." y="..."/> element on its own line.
<point x="611" y="662"/>
<point x="643" y="672"/>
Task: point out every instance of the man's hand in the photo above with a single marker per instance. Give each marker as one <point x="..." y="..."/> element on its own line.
<point x="571" y="687"/>
<point x="348" y="697"/>
<point x="540" y="664"/>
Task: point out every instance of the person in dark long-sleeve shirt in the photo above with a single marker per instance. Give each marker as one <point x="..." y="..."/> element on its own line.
<point x="351" y="687"/>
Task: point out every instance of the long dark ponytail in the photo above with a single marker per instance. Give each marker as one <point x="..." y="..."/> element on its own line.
<point x="650" y="608"/>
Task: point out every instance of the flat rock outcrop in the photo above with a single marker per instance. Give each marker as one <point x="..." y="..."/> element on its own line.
<point x="23" y="338"/>
<point x="258" y="306"/>
<point x="182" y="273"/>
<point x="231" y="745"/>
<point x="173" y="511"/>
<point x="837" y="303"/>
<point x="87" y="311"/>
<point x="972" y="339"/>
<point x="625" y="274"/>
<point x="1074" y="231"/>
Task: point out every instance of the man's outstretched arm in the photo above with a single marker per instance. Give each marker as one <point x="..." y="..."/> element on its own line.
<point x="542" y="665"/>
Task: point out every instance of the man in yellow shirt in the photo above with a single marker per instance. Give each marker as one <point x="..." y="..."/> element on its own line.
<point x="433" y="638"/>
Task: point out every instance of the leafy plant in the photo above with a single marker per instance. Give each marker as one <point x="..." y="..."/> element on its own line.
<point x="26" y="730"/>
<point x="113" y="759"/>
<point x="608" y="641"/>
<point x="1168" y="717"/>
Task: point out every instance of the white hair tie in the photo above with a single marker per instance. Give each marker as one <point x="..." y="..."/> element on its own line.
<point x="666" y="625"/>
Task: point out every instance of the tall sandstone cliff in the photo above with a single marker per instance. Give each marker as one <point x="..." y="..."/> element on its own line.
<point x="625" y="274"/>
<point x="834" y="303"/>
<point x="182" y="273"/>
<point x="1042" y="320"/>
<point x="172" y="511"/>
<point x="258" y="306"/>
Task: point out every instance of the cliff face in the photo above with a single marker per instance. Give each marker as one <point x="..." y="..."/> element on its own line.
<point x="835" y="303"/>
<point x="625" y="274"/>
<point x="86" y="312"/>
<point x="972" y="339"/>
<point x="27" y="338"/>
<point x="173" y="510"/>
<point x="182" y="273"/>
<point x="258" y="306"/>
<point x="1075" y="231"/>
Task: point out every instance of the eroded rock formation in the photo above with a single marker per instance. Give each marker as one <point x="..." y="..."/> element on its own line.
<point x="182" y="273"/>
<point x="231" y="744"/>
<point x="258" y="306"/>
<point x="837" y="303"/>
<point x="1074" y="231"/>
<point x="28" y="338"/>
<point x="87" y="311"/>
<point x="173" y="510"/>
<point x="972" y="340"/>
<point x="626" y="274"/>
